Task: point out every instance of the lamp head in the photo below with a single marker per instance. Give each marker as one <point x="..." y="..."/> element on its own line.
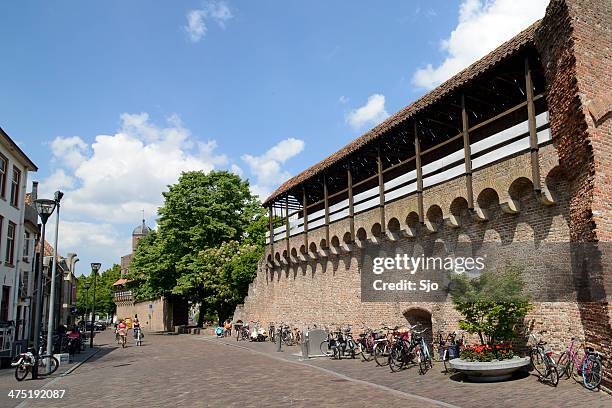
<point x="95" y="267"/>
<point x="44" y="208"/>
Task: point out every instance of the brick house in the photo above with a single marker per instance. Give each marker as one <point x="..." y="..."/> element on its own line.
<point x="158" y="314"/>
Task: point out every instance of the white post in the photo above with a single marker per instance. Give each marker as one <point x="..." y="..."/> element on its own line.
<point x="53" y="274"/>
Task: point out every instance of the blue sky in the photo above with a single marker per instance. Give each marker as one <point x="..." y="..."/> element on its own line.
<point x="113" y="99"/>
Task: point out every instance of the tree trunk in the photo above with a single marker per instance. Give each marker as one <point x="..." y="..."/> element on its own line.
<point x="201" y="315"/>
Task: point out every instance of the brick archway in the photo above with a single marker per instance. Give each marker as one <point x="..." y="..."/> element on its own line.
<point x="418" y="315"/>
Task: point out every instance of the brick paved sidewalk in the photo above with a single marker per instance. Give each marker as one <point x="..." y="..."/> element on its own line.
<point x="202" y="371"/>
<point x="8" y="381"/>
<point x="523" y="391"/>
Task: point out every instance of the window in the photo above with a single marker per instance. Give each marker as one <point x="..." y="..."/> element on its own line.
<point x="4" y="303"/>
<point x="3" y="169"/>
<point x="26" y="245"/>
<point x="15" y="187"/>
<point x="10" y="243"/>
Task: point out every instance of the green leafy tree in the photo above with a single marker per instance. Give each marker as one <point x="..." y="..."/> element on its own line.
<point x="219" y="277"/>
<point x="104" y="292"/>
<point x="205" y="215"/>
<point x="492" y="304"/>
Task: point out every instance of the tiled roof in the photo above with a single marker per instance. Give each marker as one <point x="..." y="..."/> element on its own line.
<point x="484" y="64"/>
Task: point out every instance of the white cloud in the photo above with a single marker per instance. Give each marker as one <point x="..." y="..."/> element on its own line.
<point x="69" y="150"/>
<point x="126" y="172"/>
<point x="267" y="169"/>
<point x="196" y="27"/>
<point x="343" y="99"/>
<point x="58" y="180"/>
<point x="482" y="26"/>
<point x="372" y="113"/>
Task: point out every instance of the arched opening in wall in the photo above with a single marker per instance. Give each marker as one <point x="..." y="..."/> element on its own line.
<point x="335" y="242"/>
<point x="421" y="317"/>
<point x="376" y="230"/>
<point x="556" y="182"/>
<point x="303" y="249"/>
<point x="312" y="247"/>
<point x="269" y="258"/>
<point x="435" y="216"/>
<point x="393" y="225"/>
<point x="362" y="235"/>
<point x="412" y="220"/>
<point x="521" y="189"/>
<point x="294" y="253"/>
<point x="323" y="244"/>
<point x="346" y="238"/>
<point x="488" y="199"/>
<point x="277" y="256"/>
<point x="459" y="207"/>
<point x="285" y="254"/>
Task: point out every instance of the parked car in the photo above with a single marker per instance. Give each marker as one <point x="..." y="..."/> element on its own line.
<point x="100" y="326"/>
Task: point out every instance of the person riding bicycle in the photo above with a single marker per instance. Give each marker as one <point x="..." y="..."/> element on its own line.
<point x="122" y="329"/>
<point x="137" y="328"/>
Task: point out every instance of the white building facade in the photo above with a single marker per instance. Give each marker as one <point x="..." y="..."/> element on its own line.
<point x="15" y="250"/>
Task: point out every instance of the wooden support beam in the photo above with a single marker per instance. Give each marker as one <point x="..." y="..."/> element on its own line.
<point x="305" y="216"/>
<point x="419" y="172"/>
<point x="447" y="125"/>
<point x="271" y="220"/>
<point x="533" y="134"/>
<point x="287" y="228"/>
<point x="468" y="155"/>
<point x="326" y="202"/>
<point x="351" y="209"/>
<point x="381" y="191"/>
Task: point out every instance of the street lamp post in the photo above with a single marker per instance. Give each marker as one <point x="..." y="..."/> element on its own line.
<point x="44" y="208"/>
<point x="58" y="196"/>
<point x="86" y="285"/>
<point x="95" y="267"/>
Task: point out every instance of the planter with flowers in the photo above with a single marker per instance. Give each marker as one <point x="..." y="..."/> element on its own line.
<point x="492" y="306"/>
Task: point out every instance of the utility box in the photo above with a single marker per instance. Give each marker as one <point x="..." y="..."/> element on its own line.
<point x="315" y="338"/>
<point x="63" y="358"/>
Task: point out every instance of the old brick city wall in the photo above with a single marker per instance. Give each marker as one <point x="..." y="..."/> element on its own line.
<point x="573" y="41"/>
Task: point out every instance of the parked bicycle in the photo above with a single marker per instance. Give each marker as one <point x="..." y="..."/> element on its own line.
<point x="24" y="363"/>
<point x="383" y="345"/>
<point x="242" y="332"/>
<point x="339" y="343"/>
<point x="271" y="332"/>
<point x="587" y="368"/>
<point x="367" y="342"/>
<point x="542" y="362"/>
<point x="448" y="348"/>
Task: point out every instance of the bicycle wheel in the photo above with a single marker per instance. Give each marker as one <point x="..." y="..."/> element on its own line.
<point x="447" y="366"/>
<point x="366" y="355"/>
<point x="396" y="359"/>
<point x="537" y="362"/>
<point x="591" y="373"/>
<point x="381" y="354"/>
<point x="47" y="365"/>
<point x="423" y="360"/>
<point x="325" y="350"/>
<point x="563" y="365"/>
<point x="21" y="372"/>
<point x="553" y="375"/>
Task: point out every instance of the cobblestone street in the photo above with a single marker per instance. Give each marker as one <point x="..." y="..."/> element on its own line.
<point x="201" y="371"/>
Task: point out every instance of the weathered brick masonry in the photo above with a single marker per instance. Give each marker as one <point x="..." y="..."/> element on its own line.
<point x="573" y="42"/>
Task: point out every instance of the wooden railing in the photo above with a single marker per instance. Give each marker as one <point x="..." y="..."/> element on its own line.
<point x="500" y="145"/>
